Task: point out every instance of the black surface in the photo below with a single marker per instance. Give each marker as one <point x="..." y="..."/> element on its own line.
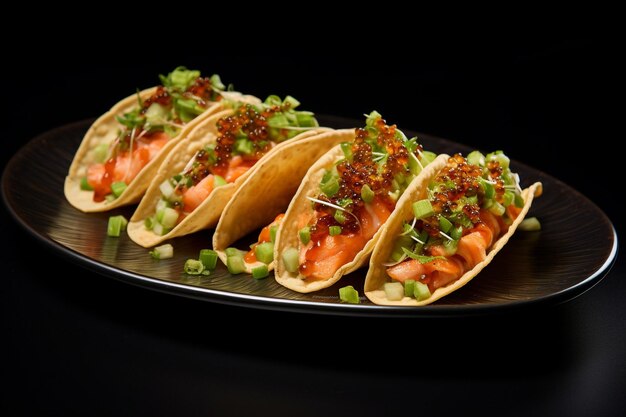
<point x="76" y="343"/>
<point x="546" y="267"/>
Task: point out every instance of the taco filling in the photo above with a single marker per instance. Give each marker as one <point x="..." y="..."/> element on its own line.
<point x="243" y="139"/>
<point x="263" y="249"/>
<point x="356" y="196"/>
<point x="183" y="95"/>
<point x="470" y="204"/>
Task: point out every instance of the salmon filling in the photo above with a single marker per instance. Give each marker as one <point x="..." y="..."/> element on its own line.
<point x="471" y="204"/>
<point x="357" y="196"/>
<point x="145" y="130"/>
<point x="243" y="139"/>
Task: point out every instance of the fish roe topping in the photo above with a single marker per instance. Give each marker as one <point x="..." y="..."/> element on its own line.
<point x="456" y="185"/>
<point x="376" y="169"/>
<point x="202" y="91"/>
<point x="254" y="125"/>
<point x="160" y="96"/>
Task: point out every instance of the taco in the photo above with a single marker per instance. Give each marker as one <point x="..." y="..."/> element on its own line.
<point x="335" y="219"/>
<point x="199" y="177"/>
<point x="450" y="227"/>
<point x="263" y="198"/>
<point x="122" y="150"/>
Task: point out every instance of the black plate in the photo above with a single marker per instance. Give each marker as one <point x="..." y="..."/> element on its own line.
<point x="554" y="265"/>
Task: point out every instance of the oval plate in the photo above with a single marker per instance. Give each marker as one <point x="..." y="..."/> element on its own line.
<point x="553" y="265"/>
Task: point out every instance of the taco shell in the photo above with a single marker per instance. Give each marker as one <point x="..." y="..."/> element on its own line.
<point x="105" y="130"/>
<point x="287" y="235"/>
<point x="269" y="191"/>
<point x="377" y="275"/>
<point x="208" y="213"/>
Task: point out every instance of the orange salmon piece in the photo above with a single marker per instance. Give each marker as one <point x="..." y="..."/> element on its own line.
<point x="195" y="195"/>
<point x="127" y="168"/>
<point x="411" y="269"/>
<point x="472" y="248"/>
<point x="332" y="252"/>
<point x="444" y="272"/>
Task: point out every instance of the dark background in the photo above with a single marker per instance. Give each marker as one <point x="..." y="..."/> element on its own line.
<point x="77" y="343"/>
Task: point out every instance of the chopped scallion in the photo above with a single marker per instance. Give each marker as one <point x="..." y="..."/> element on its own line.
<point x="117" y="188"/>
<point x="340" y="217"/>
<point x="367" y="195"/>
<point x="422" y="209"/>
<point x="235" y="265"/>
<point x="394" y="291"/>
<point x="84" y="184"/>
<point x="208" y="257"/>
<point x="218" y="181"/>
<point x="305" y="235"/>
<point x="349" y="295"/>
<point x="163" y="252"/>
<point x="193" y="267"/>
<point x="116" y="225"/>
<point x="346" y="147"/>
<point x="421" y="291"/>
<point x="530" y="224"/>
<point x="409" y="287"/>
<point x="334" y="230"/>
<point x="291" y="259"/>
<point x="260" y="272"/>
<point x="264" y="252"/>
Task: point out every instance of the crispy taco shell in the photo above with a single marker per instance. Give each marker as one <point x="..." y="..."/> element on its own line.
<point x="105" y="130"/>
<point x="209" y="211"/>
<point x="269" y="191"/>
<point x="377" y="275"/>
<point x="287" y="235"/>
